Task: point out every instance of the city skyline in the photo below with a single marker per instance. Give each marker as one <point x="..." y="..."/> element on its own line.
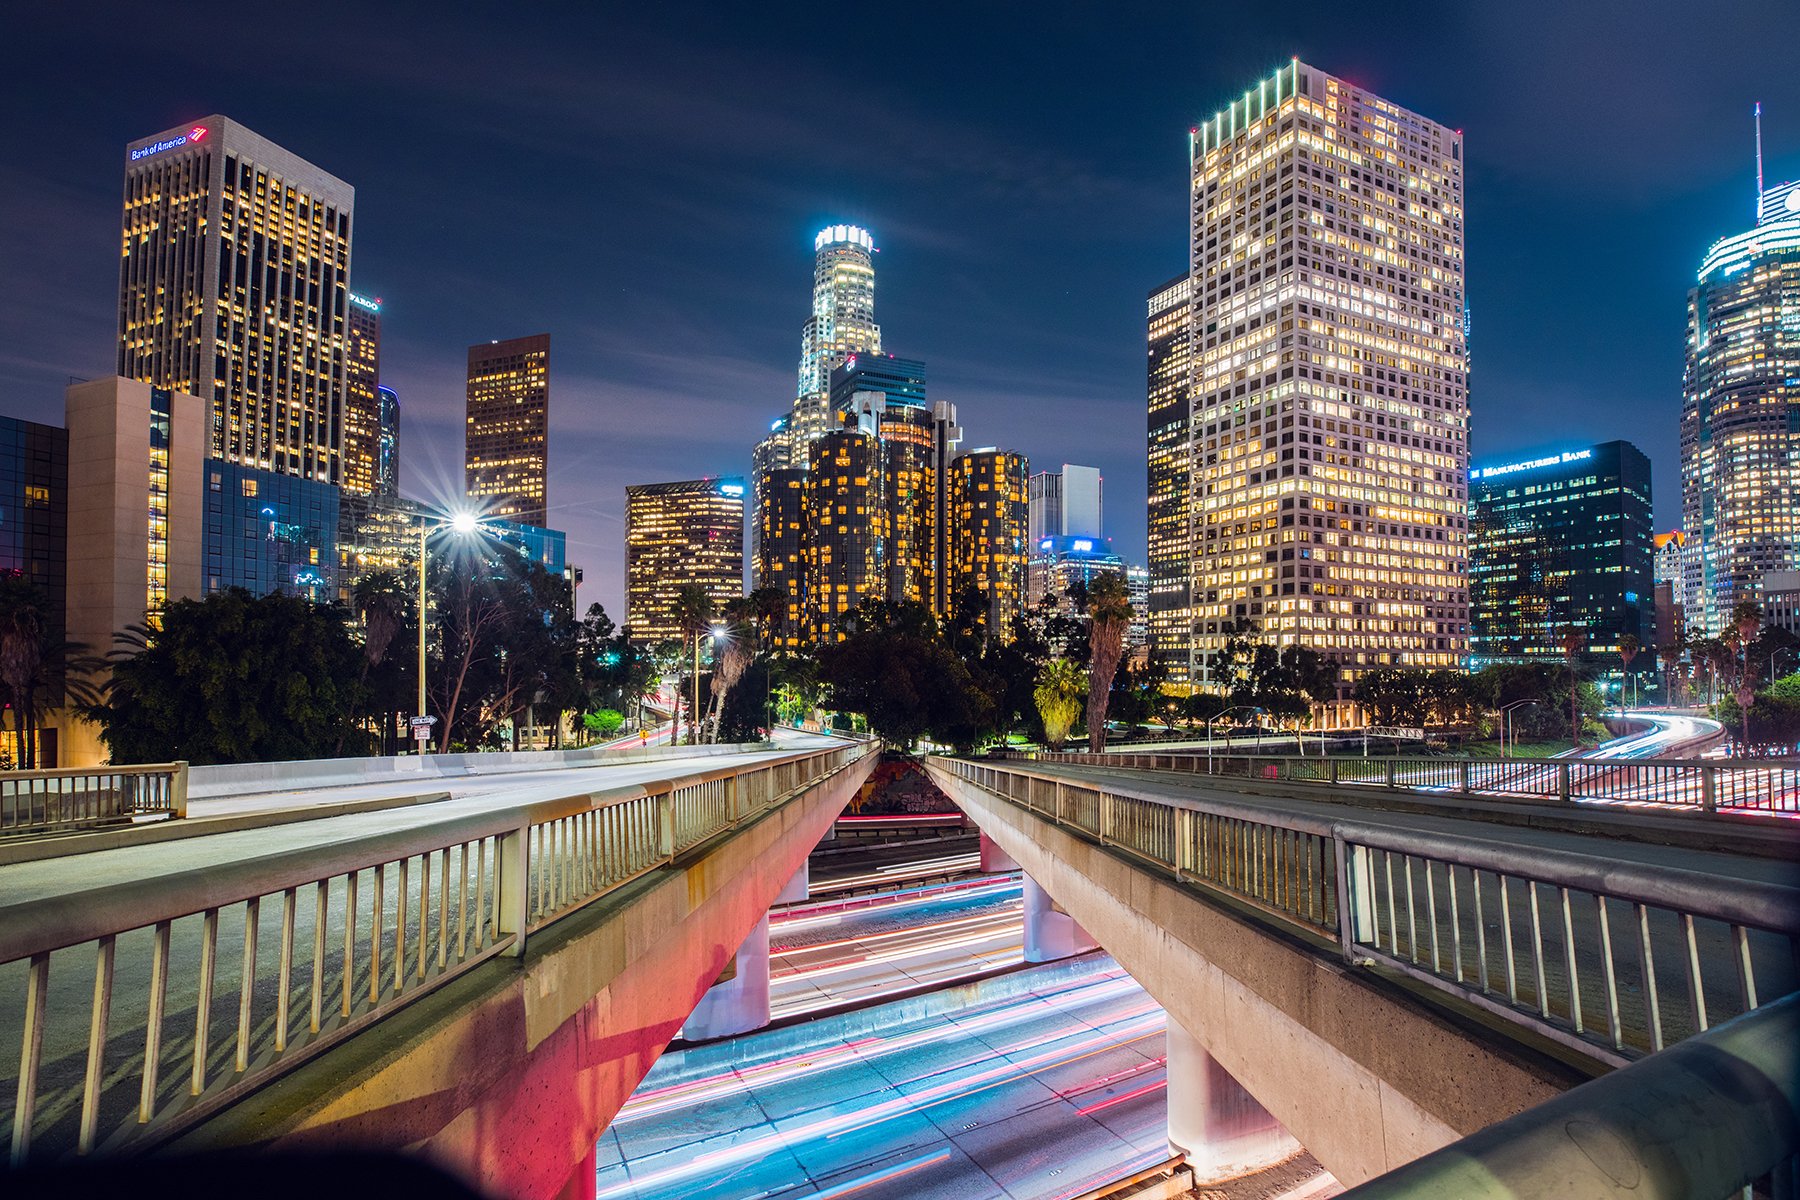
<point x="1032" y="347"/>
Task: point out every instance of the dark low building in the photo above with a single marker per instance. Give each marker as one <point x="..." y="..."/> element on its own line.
<point x="1558" y="541"/>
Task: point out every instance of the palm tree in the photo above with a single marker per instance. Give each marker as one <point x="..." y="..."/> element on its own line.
<point x="1109" y="610"/>
<point x="1628" y="650"/>
<point x="1746" y="623"/>
<point x="1670" y="655"/>
<point x="1572" y="640"/>
<point x="381" y="599"/>
<point x="693" y="616"/>
<point x="739" y="650"/>
<point x="1060" y="685"/>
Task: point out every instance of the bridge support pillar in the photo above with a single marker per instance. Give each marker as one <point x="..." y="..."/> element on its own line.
<point x="1218" y="1125"/>
<point x="799" y="887"/>
<point x="585" y="1182"/>
<point x="994" y="859"/>
<point x="1050" y="933"/>
<point x="739" y="1001"/>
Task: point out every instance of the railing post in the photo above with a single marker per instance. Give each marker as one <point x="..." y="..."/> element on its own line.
<point x="1390" y="772"/>
<point x="512" y="876"/>
<point x="1184" y="842"/>
<point x="1709" y="785"/>
<point x="665" y="824"/>
<point x="1463" y="774"/>
<point x="1355" y="895"/>
<point x="731" y="800"/>
<point x="1057" y="812"/>
<point x="178" y="785"/>
<point x="1105" y="817"/>
<point x="1334" y="770"/>
<point x="1562" y="782"/>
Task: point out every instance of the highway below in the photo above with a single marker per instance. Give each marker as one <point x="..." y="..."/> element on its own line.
<point x="843" y="953"/>
<point x="1040" y="1083"/>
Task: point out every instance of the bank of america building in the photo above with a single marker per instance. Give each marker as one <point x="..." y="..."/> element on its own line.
<point x="1558" y="540"/>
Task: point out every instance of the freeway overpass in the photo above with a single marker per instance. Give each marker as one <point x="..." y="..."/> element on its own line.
<point x="1378" y="964"/>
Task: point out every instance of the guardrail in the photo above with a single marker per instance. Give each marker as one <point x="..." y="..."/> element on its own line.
<point x="360" y="927"/>
<point x="56" y="801"/>
<point x="1695" y="785"/>
<point x="1609" y="957"/>
<point x="1714" y="1117"/>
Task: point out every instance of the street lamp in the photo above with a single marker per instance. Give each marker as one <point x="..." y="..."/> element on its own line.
<point x="1506" y="722"/>
<point x="462" y="522"/>
<point x="717" y="634"/>
<point x="1217" y="716"/>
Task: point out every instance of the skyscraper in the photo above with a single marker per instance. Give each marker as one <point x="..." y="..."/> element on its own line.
<point x="842" y="321"/>
<point x="1559" y="541"/>
<point x="781" y="550"/>
<point x="1328" y="377"/>
<point x="507" y="436"/>
<point x="1740" y="417"/>
<point x="988" y="525"/>
<point x="846" y="529"/>
<point x="362" y="399"/>
<point x="387" y="442"/>
<point x="1170" y="530"/>
<point x="234" y="286"/>
<point x="1065" y="503"/>
<point x="901" y="380"/>
<point x="680" y="534"/>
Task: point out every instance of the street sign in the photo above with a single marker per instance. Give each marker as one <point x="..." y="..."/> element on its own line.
<point x="421" y="733"/>
<point x="422" y="722"/>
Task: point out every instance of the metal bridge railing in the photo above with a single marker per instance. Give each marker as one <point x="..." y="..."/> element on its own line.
<point x="1694" y="785"/>
<point x="37" y="802"/>
<point x="1608" y="957"/>
<point x="153" y="1002"/>
<point x="1714" y="1117"/>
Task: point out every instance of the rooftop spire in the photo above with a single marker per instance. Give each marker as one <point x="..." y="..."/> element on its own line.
<point x="1759" y="174"/>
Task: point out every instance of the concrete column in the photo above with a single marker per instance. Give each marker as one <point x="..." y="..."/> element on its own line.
<point x="1050" y="933"/>
<point x="1219" y="1126"/>
<point x="993" y="859"/>
<point x="739" y="1001"/>
<point x="798" y="888"/>
<point x="585" y="1182"/>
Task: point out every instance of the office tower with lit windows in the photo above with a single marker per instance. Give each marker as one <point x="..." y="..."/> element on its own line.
<point x="841" y="324"/>
<point x="1059" y="565"/>
<point x="1561" y="541"/>
<point x="507" y="435"/>
<point x="1169" y="532"/>
<point x="988" y="523"/>
<point x="676" y="535"/>
<point x="846" y="532"/>
<point x="781" y="551"/>
<point x="1328" y="377"/>
<point x="234" y="286"/>
<point x="1137" y="587"/>
<point x="362" y="398"/>
<point x="387" y="442"/>
<point x="1065" y="503"/>
<point x="1740" y="417"/>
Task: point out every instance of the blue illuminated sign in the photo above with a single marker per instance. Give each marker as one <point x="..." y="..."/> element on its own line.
<point x="731" y="489"/>
<point x="1553" y="460"/>
<point x="196" y="134"/>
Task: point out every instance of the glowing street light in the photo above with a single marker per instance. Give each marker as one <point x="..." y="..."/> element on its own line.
<point x="462" y="522"/>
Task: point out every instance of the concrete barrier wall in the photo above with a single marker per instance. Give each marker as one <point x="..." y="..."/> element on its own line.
<point x="249" y="779"/>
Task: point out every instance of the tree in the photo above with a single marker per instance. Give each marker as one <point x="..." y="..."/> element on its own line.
<point x="894" y="668"/>
<point x="1628" y="650"/>
<point x="233" y="678"/>
<point x="603" y="722"/>
<point x="693" y="616"/>
<point x="381" y="601"/>
<point x="733" y="657"/>
<point x="1060" y="687"/>
<point x="1572" y="640"/>
<point x="505" y="642"/>
<point x="1109" y="613"/>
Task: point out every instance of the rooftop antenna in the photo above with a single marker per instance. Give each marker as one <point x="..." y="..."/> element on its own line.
<point x="1759" y="174"/>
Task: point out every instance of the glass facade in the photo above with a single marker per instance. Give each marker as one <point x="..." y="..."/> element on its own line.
<point x="1561" y="541"/>
<point x="387" y="446"/>
<point x="34" y="512"/>
<point x="1170" y="530"/>
<point x="1740" y="419"/>
<point x="901" y="380"/>
<point x="269" y="532"/>
<point x="1328" y="379"/>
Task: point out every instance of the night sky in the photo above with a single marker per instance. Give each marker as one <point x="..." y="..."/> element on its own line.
<point x="643" y="182"/>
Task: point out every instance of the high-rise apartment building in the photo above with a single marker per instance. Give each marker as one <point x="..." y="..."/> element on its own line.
<point x="1740" y="418"/>
<point x="1170" y="529"/>
<point x="781" y="551"/>
<point x="1561" y="541"/>
<point x="988" y="525"/>
<point x="677" y="535"/>
<point x="234" y="286"/>
<point x="507" y="435"/>
<point x="387" y="442"/>
<point x="362" y="398"/>
<point x="1328" y="377"/>
<point x="846" y="529"/>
